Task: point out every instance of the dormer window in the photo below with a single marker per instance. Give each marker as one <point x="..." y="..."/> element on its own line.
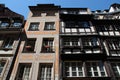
<point x="4" y="25"/>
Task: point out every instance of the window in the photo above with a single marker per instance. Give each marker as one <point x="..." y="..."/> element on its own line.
<point x="48" y="45"/>
<point x="113" y="47"/>
<point x="17" y="25"/>
<point x="83" y="11"/>
<point x="113" y="44"/>
<point x="74" y="69"/>
<point x="8" y="43"/>
<point x="84" y="24"/>
<point x="34" y="26"/>
<point x="77" y="69"/>
<point x="71" y="42"/>
<point x="2" y="64"/>
<point x="104" y="28"/>
<point x="4" y="25"/>
<point x="72" y="12"/>
<point x="95" y="69"/>
<point x="90" y="41"/>
<point x="116" y="69"/>
<point x="23" y="72"/>
<point x="79" y="24"/>
<point x="29" y="45"/>
<point x="45" y="72"/>
<point x="116" y="27"/>
<point x="70" y="24"/>
<point x="49" y="26"/>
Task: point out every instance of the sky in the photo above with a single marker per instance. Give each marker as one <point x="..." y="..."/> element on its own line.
<point x="21" y="6"/>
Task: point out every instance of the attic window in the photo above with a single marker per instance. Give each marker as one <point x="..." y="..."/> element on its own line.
<point x="17" y="24"/>
<point x="4" y="25"/>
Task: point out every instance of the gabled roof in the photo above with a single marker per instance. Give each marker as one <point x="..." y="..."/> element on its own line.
<point x="5" y="12"/>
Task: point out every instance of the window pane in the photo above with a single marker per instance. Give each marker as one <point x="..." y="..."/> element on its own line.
<point x="48" y="45"/>
<point x="23" y="71"/>
<point x="49" y="26"/>
<point x="80" y="74"/>
<point x="29" y="45"/>
<point x="4" y="25"/>
<point x="8" y="42"/>
<point x="89" y="74"/>
<point x="116" y="68"/>
<point x="96" y="73"/>
<point x="17" y="25"/>
<point x="95" y="69"/>
<point x="45" y="71"/>
<point x="2" y="64"/>
<point x="73" y="69"/>
<point x="74" y="74"/>
<point x="34" y="26"/>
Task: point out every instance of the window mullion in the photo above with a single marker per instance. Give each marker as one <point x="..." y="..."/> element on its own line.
<point x="45" y="76"/>
<point x="98" y="69"/>
<point x="70" y="68"/>
<point x="105" y="71"/>
<point x="92" y="71"/>
<point x="77" y="71"/>
<point x="118" y="69"/>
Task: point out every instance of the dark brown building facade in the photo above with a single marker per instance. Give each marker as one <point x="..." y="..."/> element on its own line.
<point x="89" y="44"/>
<point x="11" y="25"/>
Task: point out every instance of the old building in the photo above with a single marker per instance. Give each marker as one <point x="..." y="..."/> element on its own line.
<point x="69" y="44"/>
<point x="11" y="25"/>
<point x="90" y="44"/>
<point x="38" y="56"/>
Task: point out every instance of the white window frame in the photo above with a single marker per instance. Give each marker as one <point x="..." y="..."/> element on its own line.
<point x="71" y="42"/>
<point x="117" y="67"/>
<point x="98" y="69"/>
<point x="70" y="69"/>
<point x="45" y="73"/>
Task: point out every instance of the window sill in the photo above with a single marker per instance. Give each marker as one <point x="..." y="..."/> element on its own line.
<point x="47" y="52"/>
<point x="33" y="30"/>
<point x="28" y="52"/>
<point x="2" y="48"/>
<point x="49" y="29"/>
